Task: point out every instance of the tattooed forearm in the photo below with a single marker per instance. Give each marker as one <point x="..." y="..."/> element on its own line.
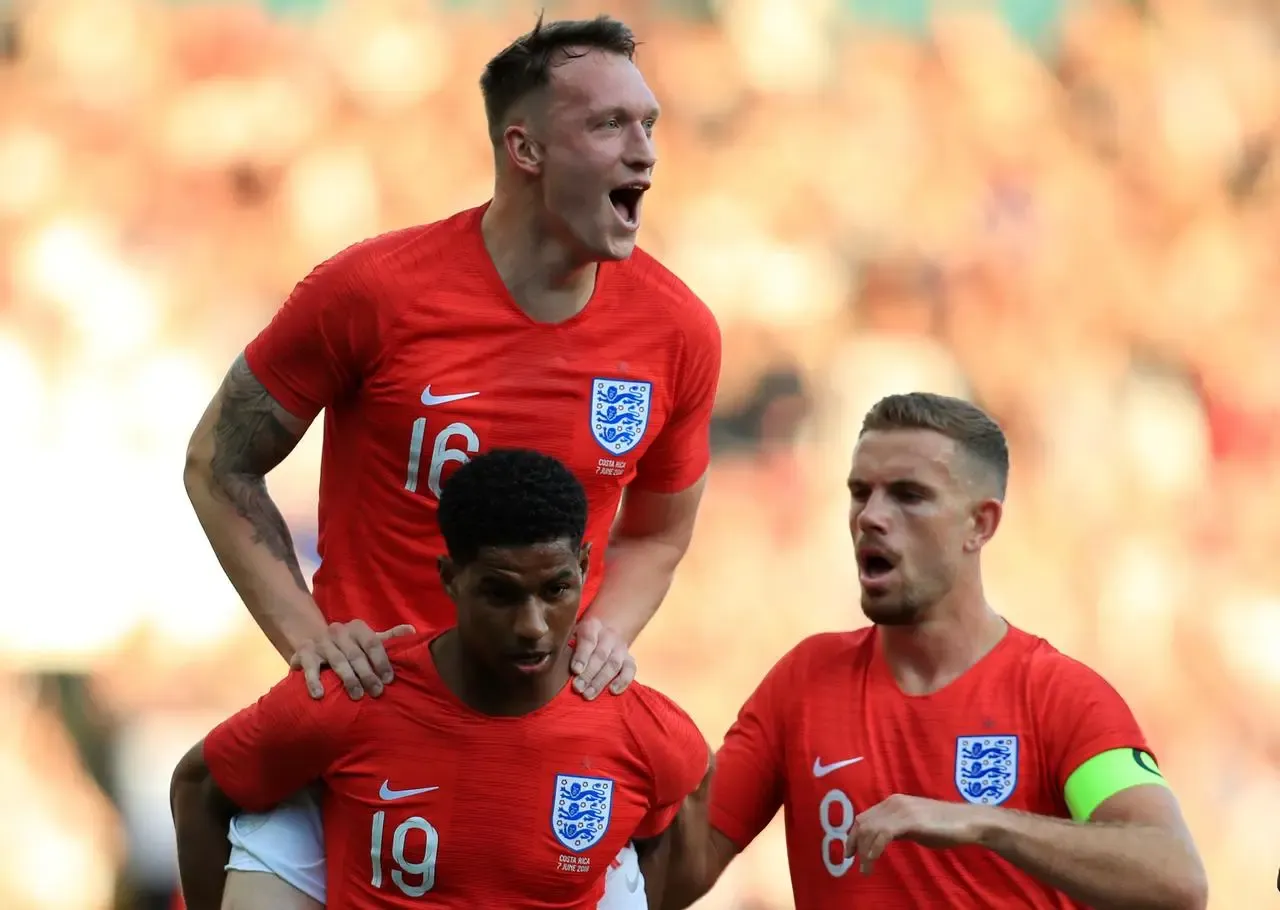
<point x="251" y="436"/>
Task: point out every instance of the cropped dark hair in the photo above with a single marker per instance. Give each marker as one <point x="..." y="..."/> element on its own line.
<point x="525" y="65"/>
<point x="972" y="429"/>
<point x="510" y="498"/>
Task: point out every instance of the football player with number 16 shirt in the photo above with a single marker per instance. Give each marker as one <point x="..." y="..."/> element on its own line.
<point x="529" y="322"/>
<point x="941" y="757"/>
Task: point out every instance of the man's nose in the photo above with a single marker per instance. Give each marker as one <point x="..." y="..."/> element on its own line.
<point x="641" y="154"/>
<point x="874" y="513"/>
<point x="531" y="620"/>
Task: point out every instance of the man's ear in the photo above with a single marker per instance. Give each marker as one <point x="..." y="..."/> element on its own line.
<point x="983" y="523"/>
<point x="523" y="151"/>
<point x="448" y="573"/>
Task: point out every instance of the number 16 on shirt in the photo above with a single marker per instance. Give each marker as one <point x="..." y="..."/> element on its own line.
<point x="441" y="453"/>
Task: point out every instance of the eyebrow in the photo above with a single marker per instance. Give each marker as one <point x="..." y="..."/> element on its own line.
<point x="903" y="484"/>
<point x="506" y="577"/>
<point x="623" y="113"/>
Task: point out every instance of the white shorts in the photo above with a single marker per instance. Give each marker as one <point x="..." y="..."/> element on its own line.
<point x="288" y="842"/>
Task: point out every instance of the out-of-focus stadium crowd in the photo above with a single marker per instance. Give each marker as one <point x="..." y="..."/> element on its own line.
<point x="1077" y="227"/>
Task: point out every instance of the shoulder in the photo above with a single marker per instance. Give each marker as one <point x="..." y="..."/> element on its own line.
<point x="1048" y="669"/>
<point x="410" y="652"/>
<point x="660" y="728"/>
<point x="386" y="258"/>
<point x="415" y="680"/>
<point x="666" y="738"/>
<point x="1078" y="713"/>
<point x="1072" y="699"/>
<point x="816" y="662"/>
<point x="683" y="308"/>
<point x="818" y="654"/>
<point x="288" y="710"/>
<point x="644" y="703"/>
<point x="416" y="677"/>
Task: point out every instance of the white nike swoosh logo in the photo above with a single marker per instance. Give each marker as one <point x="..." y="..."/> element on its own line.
<point x="387" y="793"/>
<point x="432" y="400"/>
<point x="633" y="882"/>
<point x="821" y="770"/>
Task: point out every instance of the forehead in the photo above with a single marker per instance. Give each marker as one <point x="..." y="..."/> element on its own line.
<point x="886" y="456"/>
<point x="601" y="80"/>
<point x="527" y="563"/>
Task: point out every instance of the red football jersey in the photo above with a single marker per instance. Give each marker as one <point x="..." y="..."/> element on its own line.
<point x="420" y="358"/>
<point x="424" y="795"/>
<point x="829" y="732"/>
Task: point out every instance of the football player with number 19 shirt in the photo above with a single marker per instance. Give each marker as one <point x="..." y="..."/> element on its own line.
<point x="480" y="779"/>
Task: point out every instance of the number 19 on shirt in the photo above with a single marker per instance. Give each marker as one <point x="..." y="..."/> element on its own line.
<point x="413" y="878"/>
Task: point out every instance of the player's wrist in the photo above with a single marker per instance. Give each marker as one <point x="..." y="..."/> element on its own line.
<point x="299" y="630"/>
<point x="990" y="827"/>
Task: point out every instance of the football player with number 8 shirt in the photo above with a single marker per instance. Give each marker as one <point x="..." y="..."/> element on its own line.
<point x="531" y="321"/>
<point x="480" y="779"/>
<point x="940" y="757"/>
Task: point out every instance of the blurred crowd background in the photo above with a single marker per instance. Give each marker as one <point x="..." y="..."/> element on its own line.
<point x="1069" y="212"/>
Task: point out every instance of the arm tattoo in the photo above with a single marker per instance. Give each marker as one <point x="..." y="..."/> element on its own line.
<point x="252" y="435"/>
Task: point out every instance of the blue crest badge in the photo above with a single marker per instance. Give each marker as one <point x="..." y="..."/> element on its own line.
<point x="619" y="413"/>
<point x="986" y="768"/>
<point x="581" y="810"/>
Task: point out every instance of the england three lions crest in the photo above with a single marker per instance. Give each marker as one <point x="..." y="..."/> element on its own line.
<point x="619" y="413"/>
<point x="580" y="813"/>
<point x="986" y="768"/>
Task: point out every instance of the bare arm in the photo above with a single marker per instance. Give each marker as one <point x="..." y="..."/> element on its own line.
<point x="692" y="856"/>
<point x="243" y="434"/>
<point x="649" y="540"/>
<point x="1135" y="852"/>
<point x="201" y="815"/>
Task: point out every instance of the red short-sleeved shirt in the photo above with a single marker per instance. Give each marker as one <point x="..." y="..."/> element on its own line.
<point x="424" y="795"/>
<point x="828" y="733"/>
<point x="420" y="358"/>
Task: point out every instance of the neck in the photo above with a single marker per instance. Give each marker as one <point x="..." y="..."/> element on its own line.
<point x="483" y="691"/>
<point x="958" y="631"/>
<point x="544" y="275"/>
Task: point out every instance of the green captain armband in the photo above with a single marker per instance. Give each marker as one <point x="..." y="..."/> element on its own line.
<point x="1105" y="775"/>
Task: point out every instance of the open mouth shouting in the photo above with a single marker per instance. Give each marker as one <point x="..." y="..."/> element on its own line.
<point x="626" y="200"/>
<point x="876" y="566"/>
